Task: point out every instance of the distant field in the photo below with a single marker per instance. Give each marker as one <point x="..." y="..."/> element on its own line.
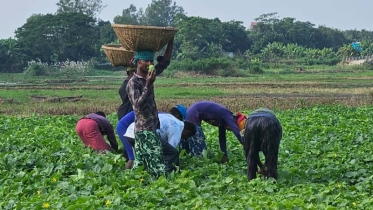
<point x="273" y="90"/>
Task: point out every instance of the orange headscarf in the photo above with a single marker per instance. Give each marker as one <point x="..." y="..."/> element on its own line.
<point x="241" y="121"/>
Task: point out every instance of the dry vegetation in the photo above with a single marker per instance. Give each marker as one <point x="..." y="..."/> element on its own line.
<point x="81" y="96"/>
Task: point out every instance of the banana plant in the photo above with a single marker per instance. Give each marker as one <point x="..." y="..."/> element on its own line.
<point x="347" y="51"/>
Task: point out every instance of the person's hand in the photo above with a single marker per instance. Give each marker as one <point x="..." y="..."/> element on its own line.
<point x="224" y="159"/>
<point x="150" y="78"/>
<point x="129" y="164"/>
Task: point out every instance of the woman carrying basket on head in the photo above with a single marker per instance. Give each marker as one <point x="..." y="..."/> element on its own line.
<point x="140" y="90"/>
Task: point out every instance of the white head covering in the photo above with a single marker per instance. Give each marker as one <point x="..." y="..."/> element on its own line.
<point x="130" y="132"/>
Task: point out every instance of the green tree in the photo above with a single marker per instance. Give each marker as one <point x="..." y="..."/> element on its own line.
<point x="210" y="36"/>
<point x="161" y="13"/>
<point x="59" y="37"/>
<point x="330" y="38"/>
<point x="355" y="35"/>
<point x="234" y="37"/>
<point x="130" y="16"/>
<point x="158" y="13"/>
<point x="270" y="29"/>
<point x="10" y="54"/>
<point x="91" y="8"/>
<point x="188" y="51"/>
<point x="193" y="33"/>
<point x="106" y="32"/>
<point x="296" y="32"/>
<point x="264" y="32"/>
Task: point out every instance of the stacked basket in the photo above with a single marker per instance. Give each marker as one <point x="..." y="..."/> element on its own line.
<point x="135" y="37"/>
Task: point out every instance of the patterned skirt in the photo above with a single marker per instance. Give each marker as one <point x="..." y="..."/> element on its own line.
<point x="196" y="144"/>
<point x="149" y="153"/>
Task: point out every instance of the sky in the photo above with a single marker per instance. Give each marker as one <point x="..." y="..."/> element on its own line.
<point x="340" y="14"/>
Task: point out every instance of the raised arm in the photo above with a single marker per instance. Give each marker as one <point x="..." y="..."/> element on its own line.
<point x="164" y="61"/>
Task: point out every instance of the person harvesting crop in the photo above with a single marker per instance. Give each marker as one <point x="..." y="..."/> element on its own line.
<point x="91" y="129"/>
<point x="216" y="115"/>
<point x="178" y="111"/>
<point x="171" y="132"/>
<point x="263" y="132"/>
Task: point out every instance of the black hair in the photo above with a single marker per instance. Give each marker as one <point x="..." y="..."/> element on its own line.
<point x="190" y="127"/>
<point x="101" y="113"/>
<point x="176" y="113"/>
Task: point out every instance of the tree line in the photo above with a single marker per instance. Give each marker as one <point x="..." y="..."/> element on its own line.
<point x="75" y="33"/>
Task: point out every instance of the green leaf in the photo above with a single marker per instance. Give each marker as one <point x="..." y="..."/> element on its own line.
<point x="107" y="167"/>
<point x="228" y="180"/>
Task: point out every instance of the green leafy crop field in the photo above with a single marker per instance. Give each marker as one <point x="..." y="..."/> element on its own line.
<point x="325" y="162"/>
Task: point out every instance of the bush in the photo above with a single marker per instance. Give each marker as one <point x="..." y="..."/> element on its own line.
<point x="256" y="69"/>
<point x="286" y="71"/>
<point x="368" y="65"/>
<point x="318" y="61"/>
<point x="234" y="72"/>
<point x="35" y="69"/>
<point x="67" y="68"/>
<point x="209" y="66"/>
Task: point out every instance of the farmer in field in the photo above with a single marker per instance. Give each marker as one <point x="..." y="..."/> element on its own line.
<point x="263" y="132"/>
<point x="140" y="90"/>
<point x="162" y="64"/>
<point x="126" y="105"/>
<point x="91" y="129"/>
<point x="178" y="111"/>
<point x="216" y="115"/>
<point x="171" y="132"/>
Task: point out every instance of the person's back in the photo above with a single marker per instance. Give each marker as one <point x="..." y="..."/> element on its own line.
<point x="170" y="129"/>
<point x="263" y="132"/>
<point x="91" y="129"/>
<point x="207" y="111"/>
<point x="263" y="112"/>
<point x="216" y="115"/>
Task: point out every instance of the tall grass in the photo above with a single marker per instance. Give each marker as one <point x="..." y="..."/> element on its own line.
<point x="66" y="68"/>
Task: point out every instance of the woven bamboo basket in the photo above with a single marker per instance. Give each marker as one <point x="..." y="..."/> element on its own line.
<point x="135" y="37"/>
<point x="117" y="55"/>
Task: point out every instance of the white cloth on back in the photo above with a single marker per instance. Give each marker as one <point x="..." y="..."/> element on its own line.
<point x="170" y="129"/>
